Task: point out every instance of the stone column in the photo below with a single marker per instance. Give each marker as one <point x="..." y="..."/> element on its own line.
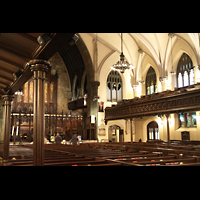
<point x="173" y="81"/>
<point x="93" y="104"/>
<point x="168" y="134"/>
<point x="131" y="130"/>
<point x="7" y="125"/>
<point x="39" y="67"/>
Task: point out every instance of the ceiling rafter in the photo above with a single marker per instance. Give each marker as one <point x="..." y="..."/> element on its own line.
<point x="14" y="52"/>
<point x="6" y="78"/>
<point x="8" y="70"/>
<point x="29" y="37"/>
<point x="3" y="83"/>
<point x="11" y="62"/>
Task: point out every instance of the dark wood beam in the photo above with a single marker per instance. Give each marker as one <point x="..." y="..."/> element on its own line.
<point x="47" y="51"/>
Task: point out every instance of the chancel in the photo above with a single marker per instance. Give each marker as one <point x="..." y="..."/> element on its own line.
<point x="142" y="111"/>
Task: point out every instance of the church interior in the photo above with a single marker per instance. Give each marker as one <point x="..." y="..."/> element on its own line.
<point x="132" y="99"/>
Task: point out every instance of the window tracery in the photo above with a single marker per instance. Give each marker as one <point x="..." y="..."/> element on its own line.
<point x="185" y="71"/>
<point x="114" y="87"/>
<point x="151" y="83"/>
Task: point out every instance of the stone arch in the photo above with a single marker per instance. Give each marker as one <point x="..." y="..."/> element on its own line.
<point x="86" y="58"/>
<point x="83" y="83"/>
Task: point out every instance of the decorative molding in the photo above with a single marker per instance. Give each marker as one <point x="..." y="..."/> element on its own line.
<point x="160" y="103"/>
<point x="39" y="65"/>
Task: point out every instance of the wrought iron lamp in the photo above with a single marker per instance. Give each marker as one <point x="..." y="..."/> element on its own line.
<point x="122" y="64"/>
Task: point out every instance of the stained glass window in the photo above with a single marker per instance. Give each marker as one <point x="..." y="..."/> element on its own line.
<point x="26" y="92"/>
<point x="31" y="108"/>
<point x="19" y="97"/>
<point x="31" y="92"/>
<point x="182" y="120"/>
<point x="51" y="92"/>
<point x="194" y="122"/>
<point x="187" y="120"/>
<point x="46" y="91"/>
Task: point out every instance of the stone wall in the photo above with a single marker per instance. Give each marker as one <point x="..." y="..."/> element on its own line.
<point x="64" y="86"/>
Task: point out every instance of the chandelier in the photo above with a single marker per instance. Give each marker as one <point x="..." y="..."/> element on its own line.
<point x="122" y="64"/>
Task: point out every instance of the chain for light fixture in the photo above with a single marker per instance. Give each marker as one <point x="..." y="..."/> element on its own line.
<point x="122" y="64"/>
<point x="172" y="72"/>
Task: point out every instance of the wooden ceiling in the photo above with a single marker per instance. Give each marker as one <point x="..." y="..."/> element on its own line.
<point x="15" y="52"/>
<point x="16" y="49"/>
<point x="73" y="60"/>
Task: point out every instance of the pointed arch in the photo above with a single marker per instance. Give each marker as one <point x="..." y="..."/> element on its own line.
<point x="185" y="72"/>
<point x="151" y="81"/>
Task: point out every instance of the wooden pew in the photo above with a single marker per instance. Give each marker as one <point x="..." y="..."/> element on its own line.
<point x="142" y="154"/>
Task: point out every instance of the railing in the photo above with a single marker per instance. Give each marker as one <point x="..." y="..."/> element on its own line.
<point x="182" y="100"/>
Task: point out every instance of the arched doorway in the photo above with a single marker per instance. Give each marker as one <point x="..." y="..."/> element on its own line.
<point x="115" y="134"/>
<point x="152" y="131"/>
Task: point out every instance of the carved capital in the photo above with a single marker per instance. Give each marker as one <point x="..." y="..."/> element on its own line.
<point x="8" y="97"/>
<point x="167" y="115"/>
<point x="39" y="65"/>
<point x="95" y="84"/>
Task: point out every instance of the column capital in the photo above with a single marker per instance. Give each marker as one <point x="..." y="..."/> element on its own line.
<point x="167" y="115"/>
<point x="8" y="97"/>
<point x="95" y="84"/>
<point x="39" y="65"/>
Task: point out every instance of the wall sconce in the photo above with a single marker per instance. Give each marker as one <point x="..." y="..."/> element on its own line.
<point x="141" y="81"/>
<point x="134" y="87"/>
<point x="162" y="79"/>
<point x="18" y="73"/>
<point x="6" y="89"/>
<point x="19" y="92"/>
<point x="171" y="120"/>
<point x="160" y="120"/>
<point x="43" y="39"/>
<point x="73" y="40"/>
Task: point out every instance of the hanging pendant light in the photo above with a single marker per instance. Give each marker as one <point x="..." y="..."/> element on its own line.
<point x="172" y="72"/>
<point x="122" y="64"/>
